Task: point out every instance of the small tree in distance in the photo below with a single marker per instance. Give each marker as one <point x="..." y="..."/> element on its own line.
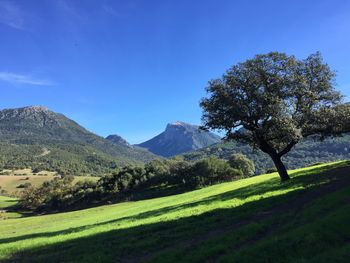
<point x="273" y="101"/>
<point x="241" y="162"/>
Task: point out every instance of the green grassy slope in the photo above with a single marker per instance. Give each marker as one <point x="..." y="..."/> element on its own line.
<point x="6" y="205"/>
<point x="251" y="220"/>
<point x="6" y="202"/>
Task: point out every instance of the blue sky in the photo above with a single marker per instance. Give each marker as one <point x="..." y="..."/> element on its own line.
<point x="129" y="67"/>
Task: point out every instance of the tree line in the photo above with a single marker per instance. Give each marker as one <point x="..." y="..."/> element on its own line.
<point x="156" y="176"/>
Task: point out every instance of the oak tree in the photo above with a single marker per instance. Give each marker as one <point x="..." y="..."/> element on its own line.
<point x="275" y="100"/>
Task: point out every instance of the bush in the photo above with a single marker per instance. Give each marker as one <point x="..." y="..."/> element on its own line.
<point x="213" y="170"/>
<point x="59" y="193"/>
<point x="35" y="170"/>
<point x="241" y="162"/>
<point x="25" y="185"/>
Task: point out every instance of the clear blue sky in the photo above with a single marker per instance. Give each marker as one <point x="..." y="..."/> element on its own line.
<point x="131" y="66"/>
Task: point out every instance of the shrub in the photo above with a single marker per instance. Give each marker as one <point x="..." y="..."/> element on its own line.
<point x="241" y="162"/>
<point x="25" y="185"/>
<point x="35" y="170"/>
<point x="213" y="170"/>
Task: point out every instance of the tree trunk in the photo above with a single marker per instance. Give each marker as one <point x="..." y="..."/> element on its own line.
<point x="282" y="171"/>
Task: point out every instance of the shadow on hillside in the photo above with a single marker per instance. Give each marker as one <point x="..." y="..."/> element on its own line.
<point x="159" y="191"/>
<point x="240" y="194"/>
<point x="173" y="190"/>
<point x="13" y="207"/>
<point x="143" y="242"/>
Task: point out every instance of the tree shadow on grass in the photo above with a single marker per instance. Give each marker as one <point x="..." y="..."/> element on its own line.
<point x="321" y="176"/>
<point x="13" y="207"/>
<point x="145" y="241"/>
<point x="142" y="243"/>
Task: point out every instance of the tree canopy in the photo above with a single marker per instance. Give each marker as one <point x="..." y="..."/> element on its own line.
<point x="241" y="162"/>
<point x="273" y="101"/>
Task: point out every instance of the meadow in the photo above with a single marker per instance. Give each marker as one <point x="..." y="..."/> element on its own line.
<point x="258" y="219"/>
<point x="11" y="180"/>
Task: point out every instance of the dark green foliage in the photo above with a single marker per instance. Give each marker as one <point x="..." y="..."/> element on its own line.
<point x="273" y="101"/>
<point x="125" y="182"/>
<point x="59" y="194"/>
<point x="126" y="179"/>
<point x="35" y="170"/>
<point x="307" y="152"/>
<point x="241" y="162"/>
<point x="212" y="170"/>
<point x="63" y="158"/>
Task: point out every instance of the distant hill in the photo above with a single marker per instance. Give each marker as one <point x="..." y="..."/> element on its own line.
<point x="179" y="137"/>
<point x="118" y="140"/>
<point x="305" y="153"/>
<point x="35" y="136"/>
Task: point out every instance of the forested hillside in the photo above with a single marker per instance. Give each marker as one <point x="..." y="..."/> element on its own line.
<point x="39" y="138"/>
<point x="305" y="153"/>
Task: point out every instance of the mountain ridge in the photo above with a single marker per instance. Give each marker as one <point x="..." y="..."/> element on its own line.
<point x="33" y="128"/>
<point x="179" y="137"/>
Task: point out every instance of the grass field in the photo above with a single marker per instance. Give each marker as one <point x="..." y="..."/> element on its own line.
<point x="10" y="183"/>
<point x="7" y="203"/>
<point x="252" y="220"/>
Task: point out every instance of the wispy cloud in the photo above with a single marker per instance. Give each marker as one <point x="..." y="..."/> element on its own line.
<point x="14" y="78"/>
<point x="11" y="15"/>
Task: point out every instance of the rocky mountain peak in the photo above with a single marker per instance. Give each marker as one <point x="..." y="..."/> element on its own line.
<point x="180" y="137"/>
<point x="39" y="114"/>
<point x="116" y="139"/>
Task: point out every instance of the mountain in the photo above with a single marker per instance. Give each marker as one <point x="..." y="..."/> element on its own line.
<point x="35" y="136"/>
<point x="179" y="137"/>
<point x="118" y="140"/>
<point x="308" y="151"/>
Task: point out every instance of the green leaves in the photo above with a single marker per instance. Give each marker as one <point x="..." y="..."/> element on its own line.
<point x="277" y="100"/>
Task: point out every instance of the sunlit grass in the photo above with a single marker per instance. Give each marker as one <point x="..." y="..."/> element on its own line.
<point x="182" y="216"/>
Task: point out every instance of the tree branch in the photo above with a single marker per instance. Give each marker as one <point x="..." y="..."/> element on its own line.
<point x="287" y="149"/>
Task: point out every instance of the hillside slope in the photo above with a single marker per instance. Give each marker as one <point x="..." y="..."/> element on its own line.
<point x="35" y="136"/>
<point x="252" y="220"/>
<point x="179" y="137"/>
